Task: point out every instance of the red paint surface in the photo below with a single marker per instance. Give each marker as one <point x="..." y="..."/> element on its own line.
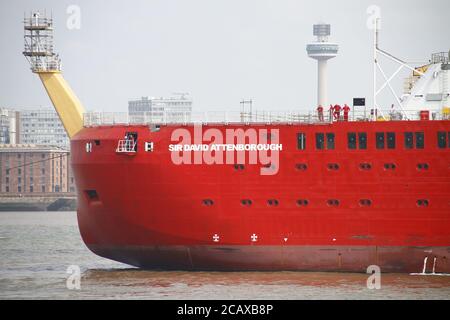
<point x="145" y="201"/>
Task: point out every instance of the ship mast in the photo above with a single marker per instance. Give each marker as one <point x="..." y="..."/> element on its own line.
<point x="38" y="38"/>
<point x="387" y="81"/>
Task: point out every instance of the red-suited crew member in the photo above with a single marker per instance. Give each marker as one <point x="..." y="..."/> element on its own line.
<point x="320" y="113"/>
<point x="330" y="113"/>
<point x="346" y="110"/>
<point x="337" y="112"/>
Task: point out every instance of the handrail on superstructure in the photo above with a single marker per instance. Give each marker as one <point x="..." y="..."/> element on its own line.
<point x="126" y="146"/>
<point x="92" y="119"/>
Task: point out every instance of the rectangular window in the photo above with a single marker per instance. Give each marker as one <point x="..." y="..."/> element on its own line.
<point x="301" y="141"/>
<point x="42" y="188"/>
<point x="420" y="140"/>
<point x="330" y="141"/>
<point x="19" y="189"/>
<point x="380" y="140"/>
<point x="442" y="139"/>
<point x="320" y="141"/>
<point x="362" y="137"/>
<point x="390" y="140"/>
<point x="351" y="140"/>
<point x="409" y="140"/>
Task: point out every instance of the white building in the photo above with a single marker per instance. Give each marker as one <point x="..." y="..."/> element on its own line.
<point x="42" y="126"/>
<point x="176" y="108"/>
<point x="8" y="124"/>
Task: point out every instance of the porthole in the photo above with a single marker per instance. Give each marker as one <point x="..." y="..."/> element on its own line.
<point x="422" y="203"/>
<point x="301" y="166"/>
<point x="333" y="202"/>
<point x="246" y="202"/>
<point x="302" y="202"/>
<point x="239" y="167"/>
<point x="333" y="166"/>
<point x="272" y="202"/>
<point x="365" y="166"/>
<point x="208" y="202"/>
<point x="422" y="166"/>
<point x="365" y="202"/>
<point x="389" y="166"/>
<point x="91" y="194"/>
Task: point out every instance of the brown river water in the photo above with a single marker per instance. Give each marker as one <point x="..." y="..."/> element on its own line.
<point x="37" y="248"/>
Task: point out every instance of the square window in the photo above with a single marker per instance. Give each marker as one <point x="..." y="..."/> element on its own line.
<point x="320" y="141"/>
<point x="301" y="141"/>
<point x="420" y="140"/>
<point x="380" y="140"/>
<point x="442" y="139"/>
<point x="351" y="139"/>
<point x="362" y="137"/>
<point x="330" y="141"/>
<point x="390" y="140"/>
<point x="409" y="142"/>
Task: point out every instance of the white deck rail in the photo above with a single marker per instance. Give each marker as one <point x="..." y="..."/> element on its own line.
<point x="126" y="146"/>
<point x="92" y="119"/>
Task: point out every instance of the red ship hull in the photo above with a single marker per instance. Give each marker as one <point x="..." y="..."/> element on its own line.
<point x="146" y="211"/>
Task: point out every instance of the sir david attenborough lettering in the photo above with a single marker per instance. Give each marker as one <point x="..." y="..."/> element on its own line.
<point x="227" y="146"/>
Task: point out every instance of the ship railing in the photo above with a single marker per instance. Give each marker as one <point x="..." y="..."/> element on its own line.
<point x="92" y="119"/>
<point x="126" y="146"/>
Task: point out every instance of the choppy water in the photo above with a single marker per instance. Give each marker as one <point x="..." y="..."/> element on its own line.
<point x="36" y="249"/>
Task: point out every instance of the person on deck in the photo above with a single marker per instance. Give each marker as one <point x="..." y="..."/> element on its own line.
<point x="337" y="112"/>
<point x="320" y="113"/>
<point x="330" y="112"/>
<point x="346" y="111"/>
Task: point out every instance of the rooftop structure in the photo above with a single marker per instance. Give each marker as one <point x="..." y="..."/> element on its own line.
<point x="322" y="50"/>
<point x="174" y="108"/>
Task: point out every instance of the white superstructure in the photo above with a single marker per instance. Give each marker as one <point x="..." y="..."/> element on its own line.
<point x="429" y="91"/>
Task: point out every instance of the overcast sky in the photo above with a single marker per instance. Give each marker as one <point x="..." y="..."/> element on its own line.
<point x="220" y="51"/>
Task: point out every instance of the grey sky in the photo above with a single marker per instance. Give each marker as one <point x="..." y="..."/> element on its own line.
<point x="218" y="50"/>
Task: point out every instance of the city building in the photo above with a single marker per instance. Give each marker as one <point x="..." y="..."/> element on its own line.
<point x="29" y="169"/>
<point x="176" y="108"/>
<point x="42" y="126"/>
<point x="8" y="125"/>
<point x="32" y="125"/>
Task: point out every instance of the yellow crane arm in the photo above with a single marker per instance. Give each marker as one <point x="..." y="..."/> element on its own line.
<point x="66" y="103"/>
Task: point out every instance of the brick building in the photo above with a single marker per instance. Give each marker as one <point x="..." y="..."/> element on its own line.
<point x="30" y="169"/>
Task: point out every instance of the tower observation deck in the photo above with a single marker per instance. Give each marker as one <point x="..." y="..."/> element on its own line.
<point x="322" y="50"/>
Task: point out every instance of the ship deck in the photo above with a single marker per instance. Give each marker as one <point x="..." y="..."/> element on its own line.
<point x="94" y="119"/>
